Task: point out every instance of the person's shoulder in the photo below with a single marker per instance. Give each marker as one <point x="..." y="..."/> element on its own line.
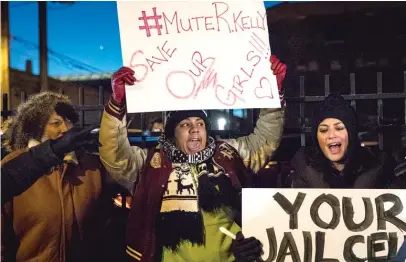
<point x="302" y="151"/>
<point x="89" y="160"/>
<point x="13" y="154"/>
<point x="301" y="156"/>
<point x="371" y="158"/>
<point x="378" y="162"/>
<point x="221" y="145"/>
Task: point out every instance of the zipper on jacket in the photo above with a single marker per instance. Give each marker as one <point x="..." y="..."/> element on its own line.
<point x="60" y="170"/>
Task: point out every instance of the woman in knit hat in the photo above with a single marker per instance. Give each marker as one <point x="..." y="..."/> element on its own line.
<point x="337" y="159"/>
<point x="57" y="218"/>
<point x="189" y="186"/>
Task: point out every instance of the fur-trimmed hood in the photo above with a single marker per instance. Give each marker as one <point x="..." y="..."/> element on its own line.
<point x="32" y="116"/>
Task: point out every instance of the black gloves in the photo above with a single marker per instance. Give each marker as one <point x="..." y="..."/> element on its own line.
<point x="74" y="139"/>
<point x="246" y="249"/>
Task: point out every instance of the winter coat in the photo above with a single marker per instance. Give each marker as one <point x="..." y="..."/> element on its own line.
<point x="58" y="218"/>
<point x="126" y="164"/>
<point x="370" y="171"/>
<point x="20" y="173"/>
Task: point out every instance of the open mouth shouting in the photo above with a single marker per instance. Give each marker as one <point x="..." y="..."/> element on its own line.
<point x="335" y="148"/>
<point x="194" y="144"/>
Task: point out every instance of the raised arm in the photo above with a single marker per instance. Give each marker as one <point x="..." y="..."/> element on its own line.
<point x="21" y="172"/>
<point x="22" y="168"/>
<point x="257" y="148"/>
<point x="121" y="160"/>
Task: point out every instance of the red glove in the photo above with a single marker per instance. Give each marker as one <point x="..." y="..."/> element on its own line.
<point x="279" y="70"/>
<point x="124" y="76"/>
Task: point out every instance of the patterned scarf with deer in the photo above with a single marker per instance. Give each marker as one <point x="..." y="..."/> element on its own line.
<point x="196" y="183"/>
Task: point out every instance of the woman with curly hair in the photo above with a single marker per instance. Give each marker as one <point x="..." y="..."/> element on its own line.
<point x="20" y="173"/>
<point x="56" y="219"/>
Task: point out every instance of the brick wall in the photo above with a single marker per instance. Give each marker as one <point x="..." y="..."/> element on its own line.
<point x="21" y="81"/>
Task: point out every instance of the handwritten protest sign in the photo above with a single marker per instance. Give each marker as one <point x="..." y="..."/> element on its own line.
<point x="325" y="225"/>
<point x="197" y="55"/>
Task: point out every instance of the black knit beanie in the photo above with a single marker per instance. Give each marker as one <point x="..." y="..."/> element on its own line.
<point x="173" y="118"/>
<point x="334" y="106"/>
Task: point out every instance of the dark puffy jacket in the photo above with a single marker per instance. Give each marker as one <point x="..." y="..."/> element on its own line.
<point x="371" y="171"/>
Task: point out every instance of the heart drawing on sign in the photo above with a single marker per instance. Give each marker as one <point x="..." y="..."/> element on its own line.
<point x="264" y="90"/>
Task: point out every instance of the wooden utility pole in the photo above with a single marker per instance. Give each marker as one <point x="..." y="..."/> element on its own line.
<point x="43" y="42"/>
<point x="43" y="45"/>
<point x="5" y="59"/>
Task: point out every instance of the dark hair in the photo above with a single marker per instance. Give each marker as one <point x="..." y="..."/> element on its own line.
<point x="155" y="120"/>
<point x="334" y="106"/>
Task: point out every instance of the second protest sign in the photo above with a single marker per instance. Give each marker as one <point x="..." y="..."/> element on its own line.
<point x="325" y="224"/>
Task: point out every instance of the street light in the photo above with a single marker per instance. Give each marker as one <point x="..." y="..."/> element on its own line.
<point x="221" y="122"/>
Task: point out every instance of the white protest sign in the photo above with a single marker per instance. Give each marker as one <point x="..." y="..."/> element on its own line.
<point x="315" y="224"/>
<point x="197" y="55"/>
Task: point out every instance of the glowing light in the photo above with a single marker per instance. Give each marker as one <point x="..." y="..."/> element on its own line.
<point x="221" y="122"/>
